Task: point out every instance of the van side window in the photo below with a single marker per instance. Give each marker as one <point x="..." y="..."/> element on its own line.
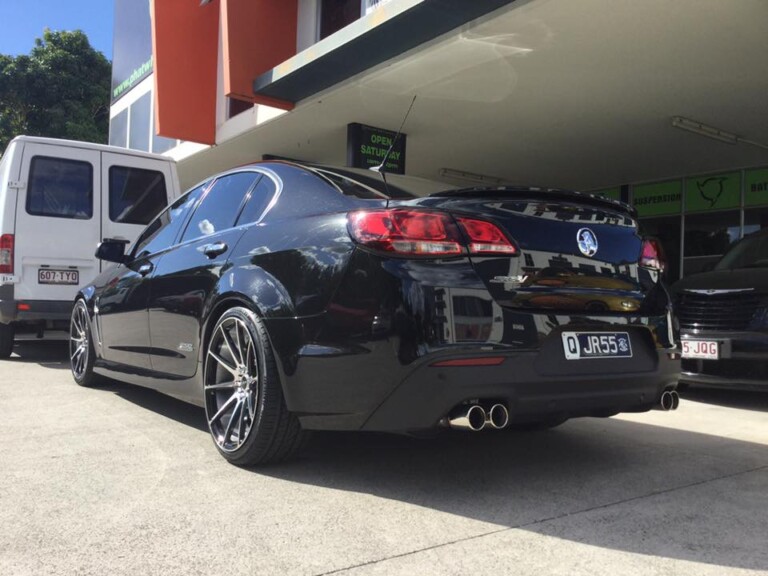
<point x="136" y="195"/>
<point x="60" y="188"/>
<point x="161" y="233"/>
<point x="220" y="206"/>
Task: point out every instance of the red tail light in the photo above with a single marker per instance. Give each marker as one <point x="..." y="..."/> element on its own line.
<point x="486" y="238"/>
<point x="6" y="254"/>
<point x="425" y="233"/>
<point x="652" y="255"/>
<point x="402" y="231"/>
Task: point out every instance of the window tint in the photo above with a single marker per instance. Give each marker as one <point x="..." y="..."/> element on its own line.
<point x="258" y="201"/>
<point x="136" y="196"/>
<point x="60" y="188"/>
<point x="161" y="233"/>
<point x="219" y="208"/>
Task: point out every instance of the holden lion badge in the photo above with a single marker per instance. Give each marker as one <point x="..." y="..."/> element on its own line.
<point x="587" y="242"/>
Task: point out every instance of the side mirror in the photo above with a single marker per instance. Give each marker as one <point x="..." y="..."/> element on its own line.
<point x="112" y="250"/>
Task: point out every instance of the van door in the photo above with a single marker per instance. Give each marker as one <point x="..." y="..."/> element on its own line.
<point x="135" y="191"/>
<point x="57" y="221"/>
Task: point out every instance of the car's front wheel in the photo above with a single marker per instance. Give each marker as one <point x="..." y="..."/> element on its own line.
<point x="81" y="352"/>
<point x="244" y="405"/>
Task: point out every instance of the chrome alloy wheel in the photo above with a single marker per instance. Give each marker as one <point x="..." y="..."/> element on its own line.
<point x="79" y="345"/>
<point x="231" y="383"/>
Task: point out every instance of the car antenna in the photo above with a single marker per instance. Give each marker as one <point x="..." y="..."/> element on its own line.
<point x="381" y="168"/>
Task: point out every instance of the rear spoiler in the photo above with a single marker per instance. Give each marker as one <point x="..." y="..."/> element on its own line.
<point x="505" y="192"/>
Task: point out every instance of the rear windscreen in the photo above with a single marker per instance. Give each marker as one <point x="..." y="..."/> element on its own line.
<point x="136" y="195"/>
<point x="60" y="188"/>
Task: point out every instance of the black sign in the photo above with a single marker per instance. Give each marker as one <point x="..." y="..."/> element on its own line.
<point x="132" y="48"/>
<point x="367" y="147"/>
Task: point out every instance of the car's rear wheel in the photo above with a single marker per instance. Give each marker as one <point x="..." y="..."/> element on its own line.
<point x="81" y="352"/>
<point x="6" y="340"/>
<point x="244" y="405"/>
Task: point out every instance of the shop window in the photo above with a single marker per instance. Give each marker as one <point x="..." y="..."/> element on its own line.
<point x="667" y="230"/>
<point x="335" y="14"/>
<point x="138" y="136"/>
<point x="755" y="220"/>
<point x="236" y="107"/>
<point x="707" y="237"/>
<point x="118" y="130"/>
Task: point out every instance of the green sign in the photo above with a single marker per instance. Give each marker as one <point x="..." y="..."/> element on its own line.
<point x="756" y="189"/>
<point x="367" y="147"/>
<point x="718" y="192"/>
<point x="658" y="199"/>
<point x="612" y="193"/>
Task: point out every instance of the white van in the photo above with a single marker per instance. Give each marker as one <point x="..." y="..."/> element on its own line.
<point x="58" y="200"/>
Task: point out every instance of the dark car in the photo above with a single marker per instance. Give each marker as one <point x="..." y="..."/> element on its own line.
<point x="285" y="298"/>
<point x="723" y="316"/>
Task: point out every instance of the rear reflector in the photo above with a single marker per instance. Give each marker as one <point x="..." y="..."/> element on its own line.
<point x="6" y="254"/>
<point x="23" y="307"/>
<point x="652" y="255"/>
<point x="485" y="361"/>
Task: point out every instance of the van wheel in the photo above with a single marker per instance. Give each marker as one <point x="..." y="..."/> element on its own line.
<point x="6" y="340"/>
<point x="244" y="405"/>
<point x="81" y="352"/>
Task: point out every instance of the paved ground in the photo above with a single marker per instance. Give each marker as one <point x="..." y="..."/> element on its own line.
<point x="125" y="481"/>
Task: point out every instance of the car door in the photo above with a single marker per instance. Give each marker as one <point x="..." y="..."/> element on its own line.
<point x="188" y="274"/>
<point x="122" y="317"/>
<point x="57" y="221"/>
<point x="135" y="191"/>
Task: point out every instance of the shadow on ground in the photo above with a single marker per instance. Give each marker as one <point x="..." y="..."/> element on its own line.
<point x="610" y="483"/>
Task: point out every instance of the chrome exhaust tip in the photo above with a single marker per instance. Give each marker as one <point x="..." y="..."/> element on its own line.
<point x="468" y="418"/>
<point x="498" y="416"/>
<point x="669" y="400"/>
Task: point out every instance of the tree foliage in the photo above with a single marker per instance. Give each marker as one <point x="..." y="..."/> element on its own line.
<point x="61" y="89"/>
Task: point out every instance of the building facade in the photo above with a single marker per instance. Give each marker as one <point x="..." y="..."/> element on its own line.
<point x="654" y="103"/>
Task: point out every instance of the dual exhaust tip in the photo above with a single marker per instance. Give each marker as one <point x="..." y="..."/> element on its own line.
<point x="475" y="417"/>
<point x="669" y="400"/>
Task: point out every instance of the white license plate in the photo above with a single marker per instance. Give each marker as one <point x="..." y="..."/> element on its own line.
<point x="51" y="276"/>
<point x="703" y="349"/>
<point x="582" y="345"/>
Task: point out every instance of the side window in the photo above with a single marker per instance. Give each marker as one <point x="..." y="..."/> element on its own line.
<point x="60" y="188"/>
<point x="219" y="207"/>
<point x="136" y="195"/>
<point x="162" y="231"/>
<point x="258" y="201"/>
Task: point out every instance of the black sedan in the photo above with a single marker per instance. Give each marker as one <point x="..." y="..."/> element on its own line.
<point x="285" y="298"/>
<point x="724" y="319"/>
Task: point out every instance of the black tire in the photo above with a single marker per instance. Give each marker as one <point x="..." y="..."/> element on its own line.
<point x="81" y="352"/>
<point x="7" y="334"/>
<point x="244" y="404"/>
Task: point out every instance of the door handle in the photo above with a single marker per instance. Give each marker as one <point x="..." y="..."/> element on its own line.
<point x="145" y="269"/>
<point x="215" y="249"/>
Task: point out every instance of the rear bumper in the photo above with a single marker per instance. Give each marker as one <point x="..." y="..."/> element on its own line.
<point x="743" y="362"/>
<point x="429" y="394"/>
<point x="56" y="311"/>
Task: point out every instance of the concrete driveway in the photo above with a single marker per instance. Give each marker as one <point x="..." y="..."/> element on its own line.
<point x="122" y="480"/>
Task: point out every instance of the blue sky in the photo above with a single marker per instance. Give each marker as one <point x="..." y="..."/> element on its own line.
<point x="25" y="20"/>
